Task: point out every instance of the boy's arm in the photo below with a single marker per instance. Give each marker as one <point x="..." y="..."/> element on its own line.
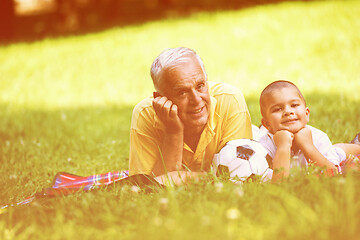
<point x="303" y="140"/>
<point x="281" y="162"/>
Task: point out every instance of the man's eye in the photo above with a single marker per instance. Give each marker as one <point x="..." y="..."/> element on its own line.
<point x="200" y="86"/>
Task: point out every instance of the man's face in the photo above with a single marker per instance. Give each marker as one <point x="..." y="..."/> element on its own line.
<point x="186" y="86"/>
<point x="285" y="110"/>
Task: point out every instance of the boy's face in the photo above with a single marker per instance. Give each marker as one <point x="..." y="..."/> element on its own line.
<point x="284" y="109"/>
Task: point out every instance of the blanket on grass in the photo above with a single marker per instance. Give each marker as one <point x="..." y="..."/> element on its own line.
<point x="67" y="183"/>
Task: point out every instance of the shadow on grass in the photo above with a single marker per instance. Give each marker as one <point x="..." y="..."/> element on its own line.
<point x="78" y="123"/>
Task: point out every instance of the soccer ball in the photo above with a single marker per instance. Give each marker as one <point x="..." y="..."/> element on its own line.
<point x="243" y="159"/>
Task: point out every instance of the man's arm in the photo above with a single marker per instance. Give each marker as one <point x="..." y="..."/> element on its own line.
<point x="171" y="148"/>
<point x="178" y="178"/>
<point x="171" y="154"/>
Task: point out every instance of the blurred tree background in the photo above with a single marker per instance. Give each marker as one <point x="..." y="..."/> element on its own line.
<point x="36" y="19"/>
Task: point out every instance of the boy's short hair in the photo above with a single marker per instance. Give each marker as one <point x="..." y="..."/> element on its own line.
<point x="275" y="86"/>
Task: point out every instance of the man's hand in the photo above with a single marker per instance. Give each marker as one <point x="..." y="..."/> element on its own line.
<point x="177" y="178"/>
<point x="168" y="114"/>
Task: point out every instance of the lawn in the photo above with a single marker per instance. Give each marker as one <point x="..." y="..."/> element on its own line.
<point x="66" y="104"/>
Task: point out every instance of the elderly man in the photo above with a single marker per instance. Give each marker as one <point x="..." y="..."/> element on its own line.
<point x="187" y="121"/>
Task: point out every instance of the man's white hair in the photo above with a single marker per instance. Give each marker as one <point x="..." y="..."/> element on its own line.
<point x="169" y="58"/>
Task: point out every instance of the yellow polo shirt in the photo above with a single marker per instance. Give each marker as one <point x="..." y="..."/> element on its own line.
<point x="229" y="119"/>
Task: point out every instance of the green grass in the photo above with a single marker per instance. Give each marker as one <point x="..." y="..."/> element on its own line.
<point x="65" y="105"/>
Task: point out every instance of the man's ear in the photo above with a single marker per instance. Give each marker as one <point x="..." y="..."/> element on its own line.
<point x="156" y="94"/>
<point x="266" y="124"/>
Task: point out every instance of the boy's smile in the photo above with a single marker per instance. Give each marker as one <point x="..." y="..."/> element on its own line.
<point x="285" y="110"/>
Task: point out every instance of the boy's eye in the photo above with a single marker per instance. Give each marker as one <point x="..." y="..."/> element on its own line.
<point x="295" y="105"/>
<point x="276" y="109"/>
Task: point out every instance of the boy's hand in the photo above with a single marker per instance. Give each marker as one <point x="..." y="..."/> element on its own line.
<point x="283" y="139"/>
<point x="168" y="114"/>
<point x="303" y="138"/>
<point x="281" y="163"/>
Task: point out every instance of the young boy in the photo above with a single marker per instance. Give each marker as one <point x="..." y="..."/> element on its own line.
<point x="290" y="141"/>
